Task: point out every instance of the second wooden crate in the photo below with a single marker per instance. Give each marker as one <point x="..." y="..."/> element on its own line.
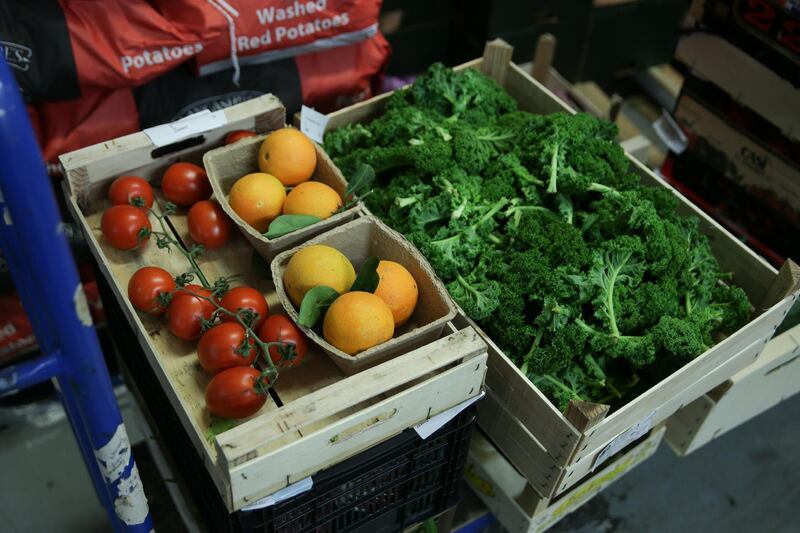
<point x="773" y="378"/>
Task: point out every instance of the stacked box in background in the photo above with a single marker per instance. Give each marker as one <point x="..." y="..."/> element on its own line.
<point x="740" y="108"/>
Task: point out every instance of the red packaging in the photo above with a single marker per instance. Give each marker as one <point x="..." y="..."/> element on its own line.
<point x="266" y="30"/>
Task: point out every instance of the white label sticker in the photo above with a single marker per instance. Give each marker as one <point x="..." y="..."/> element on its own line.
<point x="131" y="503"/>
<point x="304" y="485"/>
<point x="186" y="127"/>
<point x="625" y="438"/>
<point x="313" y="123"/>
<point x="115" y="455"/>
<point x="671" y="133"/>
<point x="430" y="426"/>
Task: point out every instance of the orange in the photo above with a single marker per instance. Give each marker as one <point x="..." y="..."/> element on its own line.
<point x="314" y="265"/>
<point x="312" y="198"/>
<point x="357" y="321"/>
<point x="398" y="289"/>
<point x="257" y="198"/>
<point x="288" y="155"/>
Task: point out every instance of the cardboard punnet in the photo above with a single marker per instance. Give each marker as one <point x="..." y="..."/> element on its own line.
<point x="225" y="165"/>
<point x="359" y="239"/>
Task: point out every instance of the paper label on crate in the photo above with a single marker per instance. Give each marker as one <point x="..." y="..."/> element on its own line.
<point x="304" y="485"/>
<point x="625" y="438"/>
<point x="194" y="124"/>
<point x="670" y="133"/>
<point x="432" y="425"/>
<point x="313" y="123"/>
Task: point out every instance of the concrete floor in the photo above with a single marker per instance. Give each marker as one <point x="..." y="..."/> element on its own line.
<point x="747" y="480"/>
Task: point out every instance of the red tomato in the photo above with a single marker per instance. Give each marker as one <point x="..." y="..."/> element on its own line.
<point x="245" y="298"/>
<point x="208" y="224"/>
<point x="238" y="135"/>
<point x="126" y="188"/>
<point x="232" y="393"/>
<point x="218" y="347"/>
<point x="186" y="310"/>
<point x="185" y="184"/>
<point x="144" y="287"/>
<point x="280" y="328"/>
<point x="122" y="226"/>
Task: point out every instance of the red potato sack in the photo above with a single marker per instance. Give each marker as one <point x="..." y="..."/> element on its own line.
<point x="59" y="49"/>
<point x="326" y="80"/>
<point x="265" y="30"/>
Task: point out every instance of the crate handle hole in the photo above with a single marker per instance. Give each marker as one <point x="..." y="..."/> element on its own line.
<point x="360" y="428"/>
<point x="177" y="146"/>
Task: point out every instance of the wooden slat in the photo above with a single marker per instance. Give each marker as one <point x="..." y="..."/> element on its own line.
<point x="518" y="445"/>
<point x="87" y="169"/>
<point x="496" y="58"/>
<point x="255" y="438"/>
<point x="355" y="433"/>
<point x="531" y="95"/>
<point x="526" y="403"/>
<point x="787" y="282"/>
<point x="543" y="58"/>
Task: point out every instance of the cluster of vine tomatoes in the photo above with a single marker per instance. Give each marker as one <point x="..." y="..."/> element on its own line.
<point x="233" y="325"/>
<point x="126" y="225"/>
<point x="227" y="349"/>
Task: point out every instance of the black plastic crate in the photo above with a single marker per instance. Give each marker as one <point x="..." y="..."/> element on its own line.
<point x="391" y="486"/>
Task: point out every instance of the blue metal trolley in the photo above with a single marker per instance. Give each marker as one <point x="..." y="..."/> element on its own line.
<point x="33" y="242"/>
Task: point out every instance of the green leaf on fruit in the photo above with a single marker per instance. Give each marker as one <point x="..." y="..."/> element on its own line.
<point x="218" y="426"/>
<point x="288" y="223"/>
<point x="368" y="278"/>
<point x="315" y="303"/>
<point x="360" y="183"/>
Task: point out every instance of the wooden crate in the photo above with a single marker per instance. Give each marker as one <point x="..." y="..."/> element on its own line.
<point x="321" y="416"/>
<point x="773" y="378"/>
<point x="552" y="449"/>
<point x="506" y="493"/>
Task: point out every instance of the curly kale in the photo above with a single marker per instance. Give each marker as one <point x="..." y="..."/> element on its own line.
<point x="592" y="284"/>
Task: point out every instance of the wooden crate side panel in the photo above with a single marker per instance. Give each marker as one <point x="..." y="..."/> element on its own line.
<point x="586" y="460"/>
<point x="499" y="486"/>
<point x="678" y="386"/>
<point x="518" y="445"/>
<point x="681" y="426"/>
<point x="255" y="437"/>
<point x="757" y="388"/>
<point x="526" y="403"/>
<point x="314" y="452"/>
<point x="85" y="169"/>
<point x="496" y="484"/>
<point x="608" y="475"/>
<point x="531" y="95"/>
